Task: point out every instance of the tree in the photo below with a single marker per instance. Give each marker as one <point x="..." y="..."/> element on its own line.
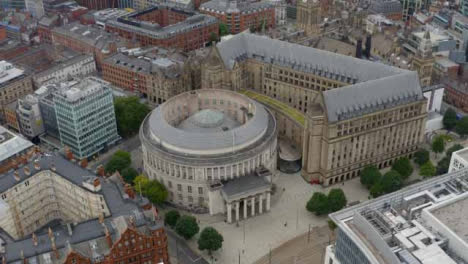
<point x="171" y="218"/>
<point x="403" y="167"/>
<point x="370" y="175"/>
<point x="129" y="174"/>
<point x="155" y="192"/>
<point x="213" y="37"/>
<point x="187" y="226"/>
<point x="443" y="165"/>
<point x="151" y="189"/>
<point x="421" y="157"/>
<point x="450" y="119"/>
<point x="318" y="204"/>
<point x="336" y="200"/>
<point x="129" y="113"/>
<point x="223" y="29"/>
<point x="438" y="144"/>
<point x="427" y="170"/>
<point x="452" y="149"/>
<point x="210" y="240"/>
<point x="119" y="161"/>
<point x="376" y="190"/>
<point x="462" y="126"/>
<point x="391" y="181"/>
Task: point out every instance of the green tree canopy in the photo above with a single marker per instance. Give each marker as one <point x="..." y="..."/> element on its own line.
<point x="403" y="167"/>
<point x="462" y="126"/>
<point x="187" y="226"/>
<point x="427" y="170"/>
<point x="376" y="190"/>
<point x="370" y="175"/>
<point x="421" y="157"/>
<point x="443" y="166"/>
<point x="450" y="119"/>
<point x="210" y="240"/>
<point x="129" y="113"/>
<point x="129" y="174"/>
<point x="151" y="189"/>
<point x="119" y="161"/>
<point x="391" y="181"/>
<point x="171" y="218"/>
<point x="223" y="29"/>
<point x="318" y="204"/>
<point x="438" y="144"/>
<point x="452" y="149"/>
<point x="156" y="192"/>
<point x="213" y="37"/>
<point x="336" y="200"/>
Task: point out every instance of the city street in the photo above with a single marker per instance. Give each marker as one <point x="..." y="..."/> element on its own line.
<point x="131" y="145"/>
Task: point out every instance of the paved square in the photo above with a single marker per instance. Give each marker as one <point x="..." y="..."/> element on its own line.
<point x="287" y="219"/>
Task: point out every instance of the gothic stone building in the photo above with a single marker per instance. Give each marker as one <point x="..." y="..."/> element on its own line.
<point x="346" y="113"/>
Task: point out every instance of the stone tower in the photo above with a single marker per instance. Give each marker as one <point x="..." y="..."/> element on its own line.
<point x="423" y="62"/>
<point x="309" y="16"/>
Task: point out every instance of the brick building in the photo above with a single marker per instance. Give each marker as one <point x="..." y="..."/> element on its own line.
<point x="14" y="150"/>
<point x="45" y="26"/>
<point x="166" y="26"/>
<point x="241" y="15"/>
<point x="456" y="93"/>
<point x="98" y="4"/>
<point x="88" y="39"/>
<point x="111" y="224"/>
<point x="158" y="75"/>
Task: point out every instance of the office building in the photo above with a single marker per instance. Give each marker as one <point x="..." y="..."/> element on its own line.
<point x="85" y="117"/>
<point x="165" y="25"/>
<point x="241" y="15"/>
<point x="317" y="100"/>
<point x="14" y="84"/>
<point x="29" y="117"/>
<point x="422" y="223"/>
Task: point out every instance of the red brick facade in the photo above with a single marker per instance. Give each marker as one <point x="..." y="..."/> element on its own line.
<point x="238" y="22"/>
<point x="125" y="78"/>
<point x="457" y="96"/>
<point x="98" y="4"/>
<point x="132" y="247"/>
<point x="190" y="40"/>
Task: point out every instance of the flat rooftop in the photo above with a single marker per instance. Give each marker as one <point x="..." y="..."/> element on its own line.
<point x="455" y="217"/>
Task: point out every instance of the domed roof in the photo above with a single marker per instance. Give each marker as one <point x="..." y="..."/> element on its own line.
<point x="208" y="118"/>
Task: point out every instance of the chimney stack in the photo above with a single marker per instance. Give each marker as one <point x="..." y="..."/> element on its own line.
<point x="17" y="176"/>
<point x="51" y="234"/>
<point x="359" y="49"/>
<point x="68" y="153"/>
<point x="129" y="191"/>
<point x="36" y="165"/>
<point x="101" y="218"/>
<point x="26" y="170"/>
<point x="34" y="239"/>
<point x="84" y="163"/>
<point x="100" y="170"/>
<point x="108" y="237"/>
<point x="96" y="182"/>
<point x="69" y="229"/>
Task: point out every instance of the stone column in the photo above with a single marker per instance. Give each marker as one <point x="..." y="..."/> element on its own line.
<point x="253" y="205"/>
<point x="229" y="213"/>
<point x="237" y="210"/>
<point x="268" y="201"/>
<point x="260" y="204"/>
<point x="245" y="208"/>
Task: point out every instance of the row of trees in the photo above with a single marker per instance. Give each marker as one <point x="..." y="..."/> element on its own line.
<point x="426" y="168"/>
<point x="321" y="203"/>
<point x="391" y="181"/>
<point x="451" y="122"/>
<point x="444" y="163"/>
<point x="186" y="226"/>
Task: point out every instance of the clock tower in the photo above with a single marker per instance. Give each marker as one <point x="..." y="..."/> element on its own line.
<point x="309" y="16"/>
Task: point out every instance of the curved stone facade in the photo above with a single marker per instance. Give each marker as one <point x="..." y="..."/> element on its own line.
<point x="201" y="138"/>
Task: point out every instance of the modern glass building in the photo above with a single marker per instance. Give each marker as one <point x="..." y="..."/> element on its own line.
<point x="85" y="117"/>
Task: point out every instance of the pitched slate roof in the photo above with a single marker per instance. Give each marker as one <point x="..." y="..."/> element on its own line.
<point x="370" y="83"/>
